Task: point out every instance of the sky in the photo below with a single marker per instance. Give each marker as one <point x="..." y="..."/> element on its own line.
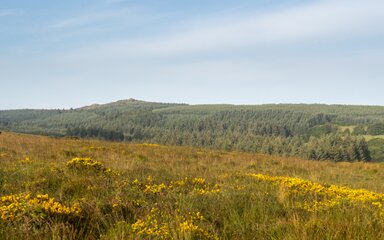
<point x="72" y="53"/>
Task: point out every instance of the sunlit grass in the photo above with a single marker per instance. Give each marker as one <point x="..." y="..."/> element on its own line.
<point x="349" y="128"/>
<point x="86" y="189"/>
<point x="370" y="137"/>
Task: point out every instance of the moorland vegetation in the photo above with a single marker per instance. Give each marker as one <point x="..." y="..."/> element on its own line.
<point x="60" y="188"/>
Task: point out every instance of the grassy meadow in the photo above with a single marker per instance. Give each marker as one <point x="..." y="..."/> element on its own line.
<point x="89" y="189"/>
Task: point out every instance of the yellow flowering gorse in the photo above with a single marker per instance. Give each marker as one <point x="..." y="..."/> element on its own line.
<point x="160" y="225"/>
<point x="14" y="207"/>
<point x="89" y="164"/>
<point x="186" y="185"/>
<point x="84" y="163"/>
<point x="148" y="145"/>
<point x="323" y="196"/>
<point x="26" y="160"/>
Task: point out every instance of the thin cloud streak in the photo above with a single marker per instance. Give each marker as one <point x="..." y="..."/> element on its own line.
<point x="10" y="12"/>
<point x="294" y="54"/>
<point x="336" y="80"/>
<point x="326" y="21"/>
<point x="89" y="18"/>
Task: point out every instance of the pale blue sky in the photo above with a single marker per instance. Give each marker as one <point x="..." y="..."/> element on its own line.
<point x="62" y="54"/>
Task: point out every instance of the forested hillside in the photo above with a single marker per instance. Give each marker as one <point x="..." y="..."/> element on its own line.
<point x="335" y="132"/>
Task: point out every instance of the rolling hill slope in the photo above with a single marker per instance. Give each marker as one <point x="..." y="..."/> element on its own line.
<point x="312" y="131"/>
<point x="89" y="189"/>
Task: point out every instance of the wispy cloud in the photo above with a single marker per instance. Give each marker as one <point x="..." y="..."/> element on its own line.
<point x="10" y="12"/>
<point x="285" y="54"/>
<point x="319" y="21"/>
<point x="87" y="18"/>
<point x="113" y="1"/>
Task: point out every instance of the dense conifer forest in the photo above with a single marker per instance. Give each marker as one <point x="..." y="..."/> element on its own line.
<point x="318" y="132"/>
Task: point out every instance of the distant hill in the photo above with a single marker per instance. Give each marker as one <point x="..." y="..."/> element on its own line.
<point x="313" y="131"/>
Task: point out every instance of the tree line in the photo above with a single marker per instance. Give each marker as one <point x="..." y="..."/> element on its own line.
<point x="309" y="131"/>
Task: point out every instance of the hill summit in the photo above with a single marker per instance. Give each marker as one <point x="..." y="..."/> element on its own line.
<point x="319" y="132"/>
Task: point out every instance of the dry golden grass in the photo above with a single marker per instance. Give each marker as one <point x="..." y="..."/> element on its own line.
<point x="116" y="204"/>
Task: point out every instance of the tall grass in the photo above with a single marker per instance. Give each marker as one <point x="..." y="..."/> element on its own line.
<point x="148" y="191"/>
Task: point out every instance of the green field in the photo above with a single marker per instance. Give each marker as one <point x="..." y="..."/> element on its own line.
<point x="87" y="189"/>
